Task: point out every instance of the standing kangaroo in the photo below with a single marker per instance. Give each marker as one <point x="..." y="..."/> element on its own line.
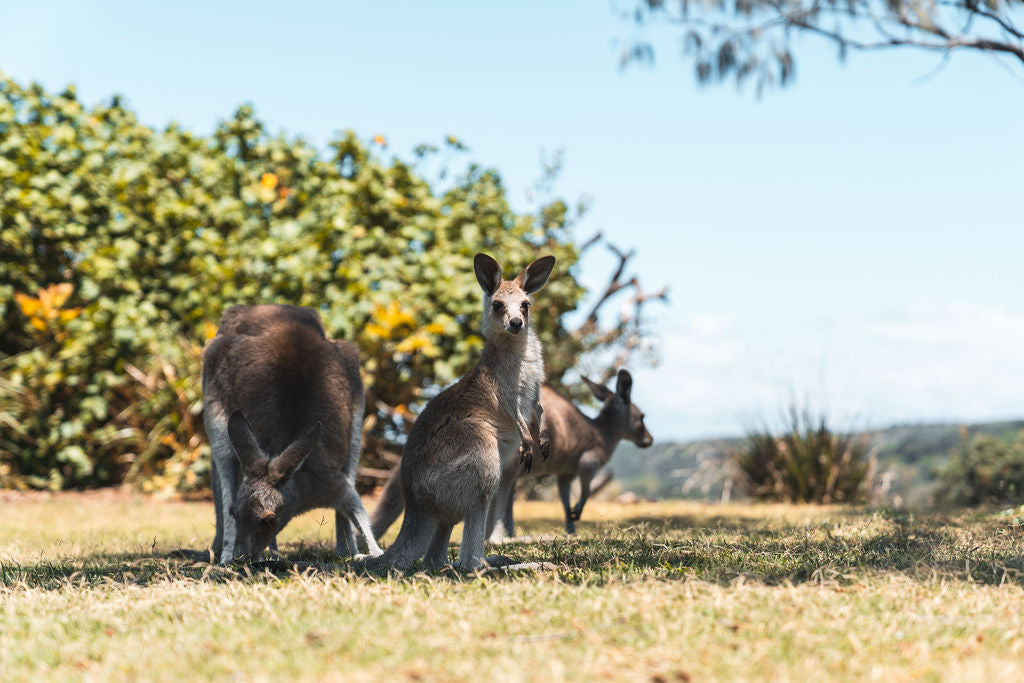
<point x="453" y="457"/>
<point x="283" y="406"/>
<point x="392" y="499"/>
<point x="580" y="446"/>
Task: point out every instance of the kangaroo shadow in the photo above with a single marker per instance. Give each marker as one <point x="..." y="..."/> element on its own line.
<point x="154" y="566"/>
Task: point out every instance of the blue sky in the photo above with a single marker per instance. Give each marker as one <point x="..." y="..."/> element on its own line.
<point x="856" y="238"/>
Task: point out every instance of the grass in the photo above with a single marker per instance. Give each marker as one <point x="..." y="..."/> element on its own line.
<point x="660" y="591"/>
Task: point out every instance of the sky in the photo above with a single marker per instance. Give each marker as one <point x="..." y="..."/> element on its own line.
<point x="854" y="241"/>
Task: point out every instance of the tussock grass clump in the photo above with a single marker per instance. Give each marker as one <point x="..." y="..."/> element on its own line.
<point x="809" y="463"/>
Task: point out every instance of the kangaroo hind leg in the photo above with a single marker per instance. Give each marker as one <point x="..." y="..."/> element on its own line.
<point x="471" y="552"/>
<point x="345" y="535"/>
<point x="437" y="553"/>
<point x="353" y="508"/>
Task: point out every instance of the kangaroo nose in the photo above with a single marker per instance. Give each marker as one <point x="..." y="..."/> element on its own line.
<point x="515" y="325"/>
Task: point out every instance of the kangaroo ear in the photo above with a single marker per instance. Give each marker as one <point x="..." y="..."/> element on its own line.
<point x="624" y="385"/>
<point x="247" y="450"/>
<point x="488" y="273"/>
<point x="283" y="466"/>
<point x="536" y="274"/>
<point x="600" y="391"/>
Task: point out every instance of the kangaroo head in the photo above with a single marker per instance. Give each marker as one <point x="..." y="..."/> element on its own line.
<point x="507" y="302"/>
<point x="259" y="509"/>
<point x="619" y="409"/>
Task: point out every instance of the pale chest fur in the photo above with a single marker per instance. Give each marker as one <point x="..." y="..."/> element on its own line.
<point x="518" y="376"/>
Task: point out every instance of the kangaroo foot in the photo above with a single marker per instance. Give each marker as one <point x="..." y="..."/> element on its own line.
<point x="492" y="561"/>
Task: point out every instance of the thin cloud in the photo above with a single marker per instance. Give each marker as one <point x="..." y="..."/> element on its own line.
<point x="927" y="362"/>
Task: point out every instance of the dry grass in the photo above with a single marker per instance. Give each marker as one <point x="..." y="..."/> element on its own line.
<point x="648" y="592"/>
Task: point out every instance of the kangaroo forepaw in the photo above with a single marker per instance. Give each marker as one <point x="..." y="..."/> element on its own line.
<point x="545" y="445"/>
<point x="526" y="455"/>
<point x="576" y="513"/>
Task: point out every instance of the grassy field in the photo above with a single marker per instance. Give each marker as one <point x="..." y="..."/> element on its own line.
<point x="659" y="591"/>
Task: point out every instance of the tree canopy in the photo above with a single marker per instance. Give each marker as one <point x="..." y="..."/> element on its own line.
<point x="120" y="246"/>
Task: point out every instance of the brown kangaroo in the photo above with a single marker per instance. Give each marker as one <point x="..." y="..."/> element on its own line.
<point x="283" y="406"/>
<point x="453" y="457"/>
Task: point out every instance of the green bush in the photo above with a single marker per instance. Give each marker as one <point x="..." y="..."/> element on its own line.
<point x="125" y="243"/>
<point x="807" y="464"/>
<point x="984" y="470"/>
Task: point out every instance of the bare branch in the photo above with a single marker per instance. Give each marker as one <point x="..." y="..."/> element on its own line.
<point x="614" y="286"/>
<point x="741" y="36"/>
<point x="592" y="241"/>
<point x="949" y="44"/>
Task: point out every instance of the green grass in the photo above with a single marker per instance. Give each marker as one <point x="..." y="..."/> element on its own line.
<point x="660" y="591"/>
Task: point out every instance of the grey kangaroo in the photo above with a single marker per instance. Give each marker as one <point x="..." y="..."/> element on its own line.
<point x="580" y="446"/>
<point x="392" y="499"/>
<point x="453" y="457"/>
<point x="283" y="406"/>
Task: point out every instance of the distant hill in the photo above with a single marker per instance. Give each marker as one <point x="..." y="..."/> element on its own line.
<point x="907" y="455"/>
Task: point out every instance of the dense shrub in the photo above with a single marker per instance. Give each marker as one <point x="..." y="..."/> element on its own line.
<point x="984" y="469"/>
<point x="809" y="463"/>
<point x="120" y="245"/>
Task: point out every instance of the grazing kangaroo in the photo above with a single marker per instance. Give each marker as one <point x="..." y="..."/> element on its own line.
<point x="453" y="457"/>
<point x="580" y="446"/>
<point x="283" y="406"/>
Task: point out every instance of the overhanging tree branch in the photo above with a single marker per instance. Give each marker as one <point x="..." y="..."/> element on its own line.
<point x="744" y="38"/>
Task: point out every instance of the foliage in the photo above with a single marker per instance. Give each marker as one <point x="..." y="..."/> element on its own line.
<point x="985" y="469"/>
<point x="744" y="592"/>
<point x="752" y="38"/>
<point x="807" y="464"/>
<point x="120" y="246"/>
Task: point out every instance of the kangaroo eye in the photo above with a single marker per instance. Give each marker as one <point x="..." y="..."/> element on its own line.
<point x="497" y="306"/>
<point x="526" y="305"/>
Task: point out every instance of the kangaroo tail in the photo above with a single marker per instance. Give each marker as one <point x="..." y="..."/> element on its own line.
<point x="412" y="542"/>
<point x="390" y="505"/>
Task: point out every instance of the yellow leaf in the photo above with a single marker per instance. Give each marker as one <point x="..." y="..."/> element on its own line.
<point x="54" y="296"/>
<point x="28" y="305"/>
<point x="375" y="331"/>
<point x="380" y="140"/>
<point x="410" y="344"/>
<point x="391" y="317"/>
<point x="268" y="180"/>
<point x="434" y="328"/>
<point x="209" y="329"/>
<point x="69" y="314"/>
<point x="417" y="342"/>
<point x="38" y="323"/>
<point x="395" y="316"/>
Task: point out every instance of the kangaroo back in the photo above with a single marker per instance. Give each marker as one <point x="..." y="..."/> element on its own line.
<point x="275" y="364"/>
